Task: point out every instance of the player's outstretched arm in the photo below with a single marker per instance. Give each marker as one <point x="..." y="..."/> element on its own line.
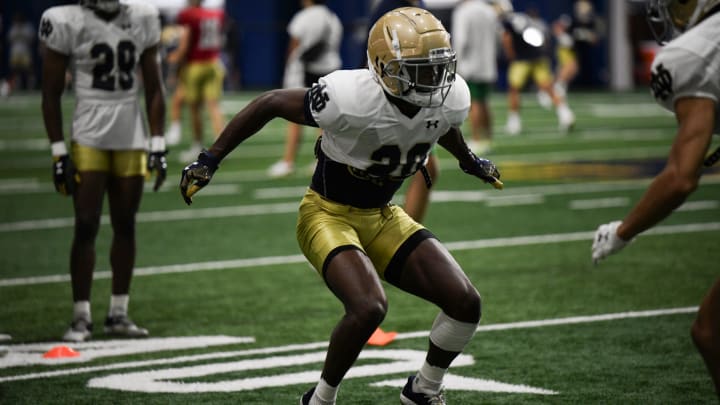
<point x="681" y="175"/>
<point x="679" y="178"/>
<point x="282" y="103"/>
<point x="484" y="169"/>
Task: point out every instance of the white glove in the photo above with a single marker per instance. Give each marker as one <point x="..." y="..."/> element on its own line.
<point x="606" y="241"/>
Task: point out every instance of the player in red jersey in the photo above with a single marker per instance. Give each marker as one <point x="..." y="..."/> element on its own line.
<point x="202" y="73"/>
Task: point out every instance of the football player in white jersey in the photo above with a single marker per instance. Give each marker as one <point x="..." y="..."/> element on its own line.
<point x="684" y="80"/>
<point x="104" y="43"/>
<point x="378" y="127"/>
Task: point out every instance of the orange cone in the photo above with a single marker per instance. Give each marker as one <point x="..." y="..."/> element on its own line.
<point x="381" y="338"/>
<point x="59" y="352"/>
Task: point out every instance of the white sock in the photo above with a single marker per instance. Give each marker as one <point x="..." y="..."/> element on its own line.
<point x="81" y="309"/>
<point x="325" y="393"/>
<point x="118" y="305"/>
<point x="175" y="126"/>
<point x="562" y="108"/>
<point x="429" y="379"/>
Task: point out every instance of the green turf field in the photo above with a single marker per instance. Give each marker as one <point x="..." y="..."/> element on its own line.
<point x="237" y="316"/>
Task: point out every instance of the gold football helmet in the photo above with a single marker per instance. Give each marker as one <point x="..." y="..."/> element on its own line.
<point x="103" y="6"/>
<point x="410" y="56"/>
<point x="667" y="18"/>
<point x="501" y="7"/>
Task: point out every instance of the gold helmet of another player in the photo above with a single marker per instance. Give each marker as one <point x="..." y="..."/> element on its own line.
<point x="502" y="7"/>
<point x="103" y="6"/>
<point x="667" y="18"/>
<point x="410" y="55"/>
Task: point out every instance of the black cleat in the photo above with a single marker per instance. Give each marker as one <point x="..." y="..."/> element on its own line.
<point x="305" y="399"/>
<point x="410" y="397"/>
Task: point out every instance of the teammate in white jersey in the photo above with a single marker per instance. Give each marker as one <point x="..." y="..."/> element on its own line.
<point x="475" y="34"/>
<point x="684" y="80"/>
<point x="103" y="42"/>
<point x="379" y="125"/>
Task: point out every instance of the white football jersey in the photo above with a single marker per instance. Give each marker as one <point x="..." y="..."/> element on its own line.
<point x="689" y="66"/>
<point x="475" y="29"/>
<point x="311" y="25"/>
<point x="361" y="128"/>
<point x="104" y="58"/>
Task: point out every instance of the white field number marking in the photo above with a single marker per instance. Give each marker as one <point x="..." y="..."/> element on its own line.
<point x="398" y="361"/>
<point x="161" y="380"/>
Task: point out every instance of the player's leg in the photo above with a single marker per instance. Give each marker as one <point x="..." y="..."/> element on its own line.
<point x="212" y="91"/>
<point x="125" y="189"/>
<point x="93" y="167"/>
<point x="568" y="69"/>
<point x="706" y="333"/>
<point x="417" y="195"/>
<point x="174" y="133"/>
<point x="480" y="118"/>
<point x="350" y="275"/>
<point x="485" y="124"/>
<point x="352" y="278"/>
<point x="414" y="261"/>
<point x="517" y="77"/>
<point x="327" y="233"/>
<point x="544" y="80"/>
<point x="191" y="80"/>
<point x="88" y="200"/>
<point x="431" y="273"/>
<point x="286" y="165"/>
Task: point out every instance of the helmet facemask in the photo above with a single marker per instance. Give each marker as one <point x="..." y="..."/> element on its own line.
<point x="420" y="81"/>
<point x="660" y="21"/>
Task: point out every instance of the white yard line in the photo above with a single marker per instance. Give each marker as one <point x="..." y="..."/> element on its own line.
<point x="599" y="203"/>
<point x="321" y="345"/>
<point x="628" y="110"/>
<point x="274" y="149"/>
<point x="699" y="205"/>
<point x="509" y="196"/>
<point x="161" y="216"/>
<point x="639" y="152"/>
<point x="296" y="259"/>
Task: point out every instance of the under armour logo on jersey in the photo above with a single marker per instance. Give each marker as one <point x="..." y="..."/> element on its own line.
<point x="431" y="123"/>
<point x="661" y="82"/>
<point x="46" y="28"/>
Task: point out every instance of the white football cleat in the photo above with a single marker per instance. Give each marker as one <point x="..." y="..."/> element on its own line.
<point x="480" y="147"/>
<point x="173" y="135"/>
<point x="121" y="325"/>
<point x="191" y="154"/>
<point x="544" y="100"/>
<point x="566" y="118"/>
<point x="280" y="169"/>
<point x="80" y="330"/>
<point x="514" y="125"/>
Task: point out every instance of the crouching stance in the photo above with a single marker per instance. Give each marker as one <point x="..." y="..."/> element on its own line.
<point x="379" y="125"/>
